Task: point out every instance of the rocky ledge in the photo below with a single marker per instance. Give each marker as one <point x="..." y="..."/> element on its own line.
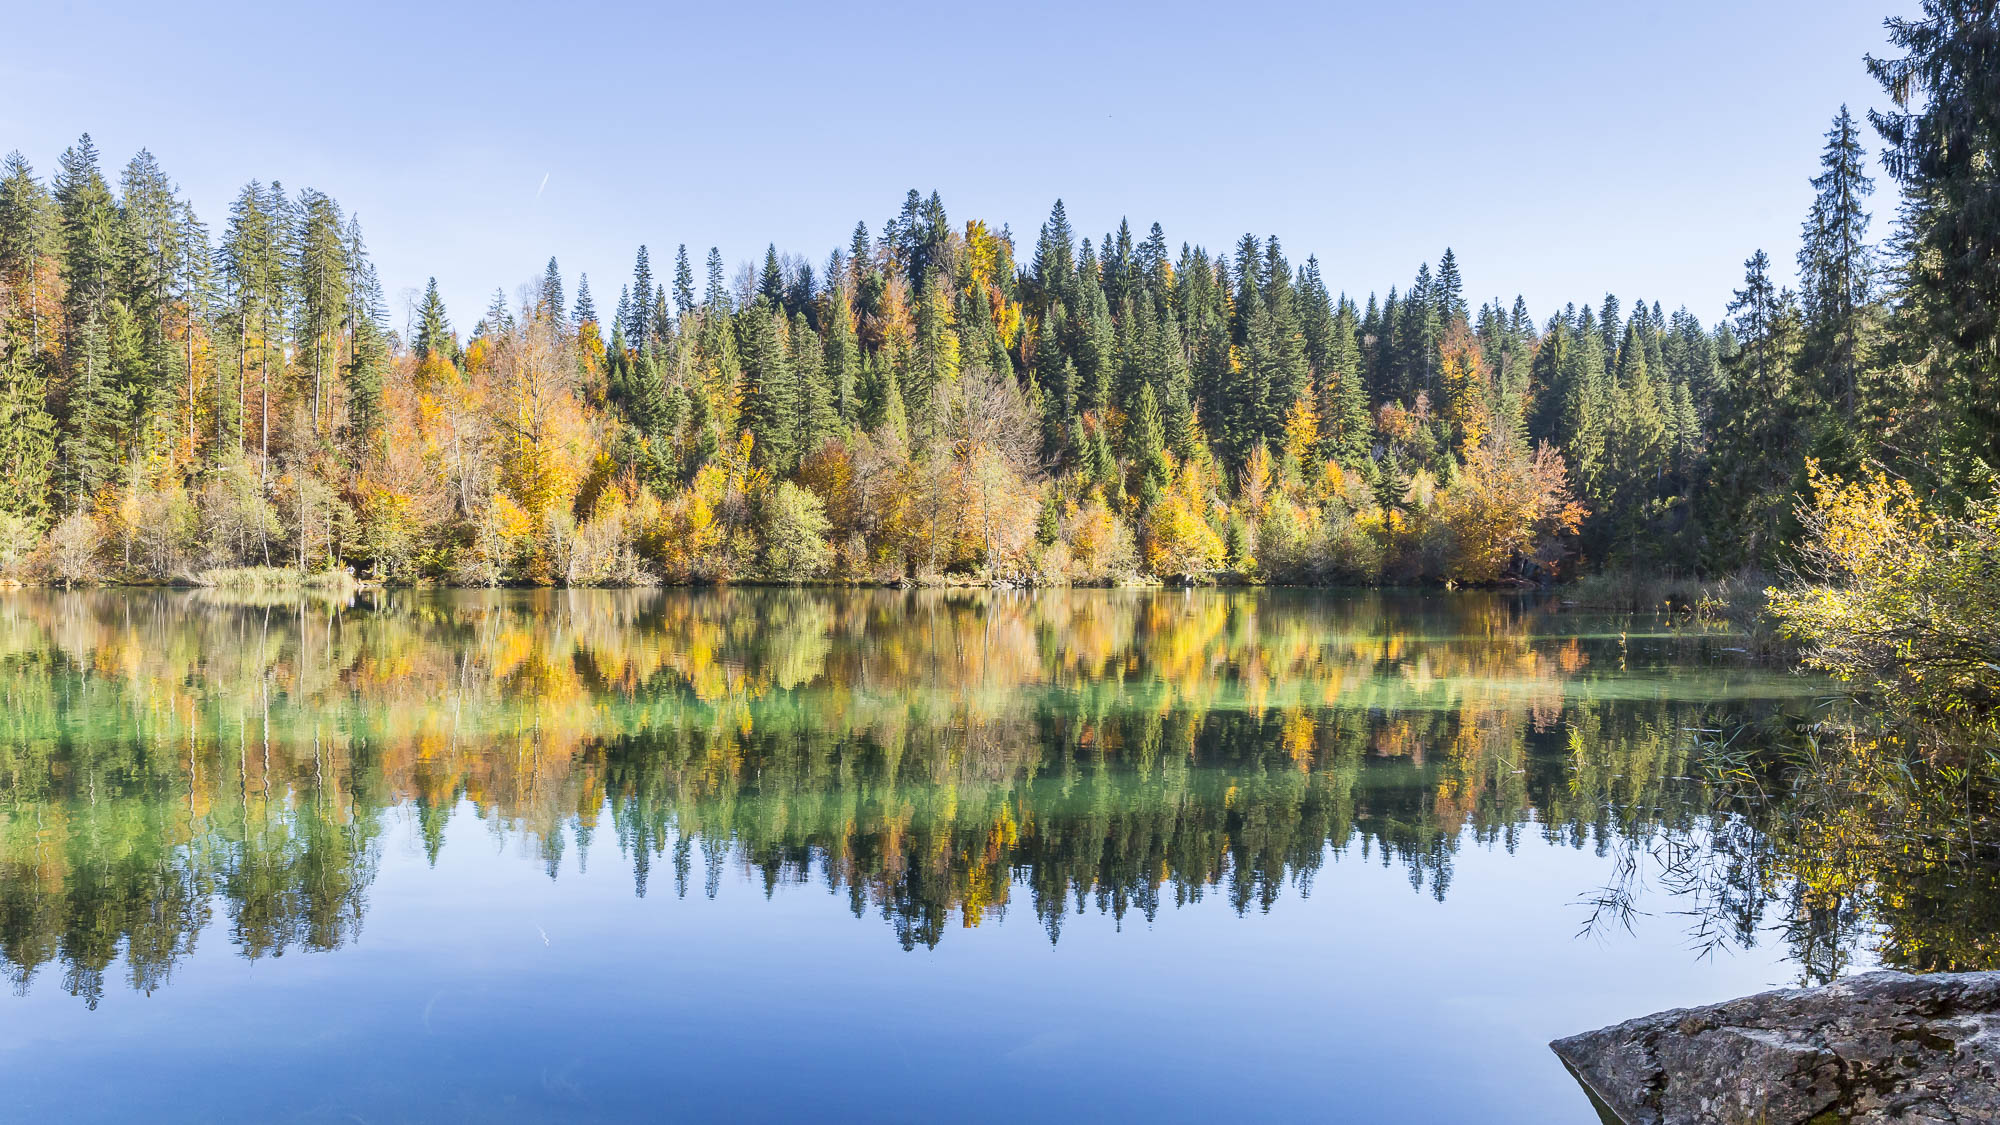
<point x="1890" y="1047"/>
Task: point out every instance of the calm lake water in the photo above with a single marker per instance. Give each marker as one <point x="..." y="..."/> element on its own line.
<point x="873" y="856"/>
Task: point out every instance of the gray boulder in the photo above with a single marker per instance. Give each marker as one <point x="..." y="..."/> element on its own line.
<point x="1918" y="1050"/>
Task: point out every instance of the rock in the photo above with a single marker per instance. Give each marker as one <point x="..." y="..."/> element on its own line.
<point x="1917" y="1050"/>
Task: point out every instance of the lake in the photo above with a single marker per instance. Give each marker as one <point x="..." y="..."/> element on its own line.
<point x="883" y="855"/>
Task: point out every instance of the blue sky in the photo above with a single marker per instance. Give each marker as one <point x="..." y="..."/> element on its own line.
<point x="1562" y="149"/>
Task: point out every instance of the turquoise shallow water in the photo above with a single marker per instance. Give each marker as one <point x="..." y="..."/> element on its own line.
<point x="764" y="855"/>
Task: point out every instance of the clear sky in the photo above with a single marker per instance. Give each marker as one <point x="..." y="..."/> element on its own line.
<point x="1562" y="149"/>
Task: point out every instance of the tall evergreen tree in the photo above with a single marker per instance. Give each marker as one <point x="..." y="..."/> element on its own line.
<point x="638" y="318"/>
<point x="1835" y="270"/>
<point x="551" y="296"/>
<point x="683" y="284"/>
<point x="434" y="336"/>
<point x="1941" y="143"/>
<point x="716" y="296"/>
<point x="770" y="405"/>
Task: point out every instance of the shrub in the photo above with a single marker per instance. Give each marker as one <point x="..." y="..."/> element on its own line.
<point x="72" y="551"/>
<point x="795" y="527"/>
<point x="1895" y="595"/>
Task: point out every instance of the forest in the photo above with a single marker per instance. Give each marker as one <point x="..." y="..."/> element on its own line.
<point x="939" y="399"/>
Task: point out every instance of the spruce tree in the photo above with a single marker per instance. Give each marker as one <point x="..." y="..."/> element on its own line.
<point x="321" y="270"/>
<point x="1096" y="349"/>
<point x="551" y="296"/>
<point x="433" y="329"/>
<point x="1146" y="441"/>
<point x="771" y="282"/>
<point x="1940" y="146"/>
<point x="1344" y="416"/>
<point x="499" y="318"/>
<point x="935" y="356"/>
<point x="816" y="418"/>
<point x="1835" y="273"/>
<point x="716" y="297"/>
<point x="638" y="315"/>
<point x="368" y="345"/>
<point x="27" y="440"/>
<point x="27" y="246"/>
<point x="770" y="405"/>
<point x="843" y="355"/>
<point x="683" y="284"/>
<point x="1449" y="292"/>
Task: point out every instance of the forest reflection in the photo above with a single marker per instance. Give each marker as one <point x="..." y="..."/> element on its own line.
<point x="173" y="759"/>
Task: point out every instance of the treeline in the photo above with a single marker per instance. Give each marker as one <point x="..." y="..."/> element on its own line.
<point x="933" y="398"/>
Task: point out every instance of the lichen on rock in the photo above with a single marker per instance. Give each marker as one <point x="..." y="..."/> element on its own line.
<point x="1917" y="1050"/>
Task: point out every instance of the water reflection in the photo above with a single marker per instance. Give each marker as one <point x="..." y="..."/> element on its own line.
<point x="934" y="759"/>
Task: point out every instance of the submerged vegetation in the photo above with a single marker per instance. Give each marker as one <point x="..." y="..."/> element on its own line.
<point x="939" y="398"/>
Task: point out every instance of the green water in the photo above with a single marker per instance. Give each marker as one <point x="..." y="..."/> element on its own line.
<point x="896" y="856"/>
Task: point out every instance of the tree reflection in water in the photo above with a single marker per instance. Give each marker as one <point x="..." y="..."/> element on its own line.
<point x="937" y="758"/>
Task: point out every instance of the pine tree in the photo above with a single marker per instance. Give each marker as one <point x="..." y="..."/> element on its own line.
<point x="586" y="309"/>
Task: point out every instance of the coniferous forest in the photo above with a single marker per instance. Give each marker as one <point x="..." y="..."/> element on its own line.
<point x="181" y="395"/>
